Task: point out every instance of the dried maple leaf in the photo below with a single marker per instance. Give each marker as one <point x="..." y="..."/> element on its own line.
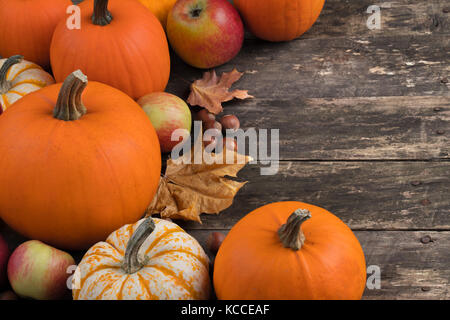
<point x="210" y="91"/>
<point x="188" y="190"/>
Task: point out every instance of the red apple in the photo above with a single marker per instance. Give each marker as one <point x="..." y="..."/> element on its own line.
<point x="167" y="114"/>
<point x="38" y="271"/>
<point x="205" y="33"/>
<point x="4" y="255"/>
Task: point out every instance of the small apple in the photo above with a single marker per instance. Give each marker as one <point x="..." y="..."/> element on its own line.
<point x="38" y="271"/>
<point x="205" y="33"/>
<point x="4" y="255"/>
<point x="167" y="113"/>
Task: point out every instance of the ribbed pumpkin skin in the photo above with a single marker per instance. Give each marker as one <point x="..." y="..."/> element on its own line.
<point x="177" y="268"/>
<point x="25" y="77"/>
<point x="279" y="20"/>
<point x="70" y="184"/>
<point x="130" y="54"/>
<point x="160" y="8"/>
<point x="26" y="27"/>
<point x="252" y="264"/>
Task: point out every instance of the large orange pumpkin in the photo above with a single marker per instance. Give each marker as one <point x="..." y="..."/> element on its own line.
<point x="279" y="20"/>
<point x="160" y="8"/>
<point x="120" y="43"/>
<point x="290" y="251"/>
<point x="26" y="27"/>
<point x="74" y="168"/>
<point x="152" y="259"/>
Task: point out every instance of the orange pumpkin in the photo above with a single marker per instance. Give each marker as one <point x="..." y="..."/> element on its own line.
<point x="160" y="8"/>
<point x="18" y="78"/>
<point x="75" y="168"/>
<point x="275" y="252"/>
<point x="120" y="43"/>
<point x="279" y="20"/>
<point x="152" y="259"/>
<point x="26" y="27"/>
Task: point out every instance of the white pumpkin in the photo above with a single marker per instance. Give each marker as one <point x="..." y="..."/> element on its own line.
<point x="153" y="259"/>
<point x="18" y="78"/>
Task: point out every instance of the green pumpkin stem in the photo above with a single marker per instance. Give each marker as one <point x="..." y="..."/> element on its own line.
<point x="131" y="263"/>
<point x="4" y="83"/>
<point x="290" y="234"/>
<point x="101" y="15"/>
<point x="69" y="106"/>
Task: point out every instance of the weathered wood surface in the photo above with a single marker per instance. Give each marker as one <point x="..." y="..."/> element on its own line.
<point x="377" y="195"/>
<point x="410" y="267"/>
<point x="337" y="67"/>
<point x="407" y="17"/>
<point x="353" y="128"/>
<point x="364" y="132"/>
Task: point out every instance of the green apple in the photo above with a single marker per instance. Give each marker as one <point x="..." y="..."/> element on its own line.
<point x="38" y="271"/>
<point x="167" y="113"/>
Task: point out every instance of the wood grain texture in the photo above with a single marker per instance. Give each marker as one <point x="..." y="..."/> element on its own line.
<point x="402" y="17"/>
<point x="370" y="195"/>
<point x="353" y="128"/>
<point x="364" y="119"/>
<point x="409" y="268"/>
<point x="336" y="67"/>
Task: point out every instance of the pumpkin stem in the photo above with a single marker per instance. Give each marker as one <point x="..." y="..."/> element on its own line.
<point x="5" y="85"/>
<point x="290" y="233"/>
<point x="101" y="15"/>
<point x="69" y="106"/>
<point x="131" y="263"/>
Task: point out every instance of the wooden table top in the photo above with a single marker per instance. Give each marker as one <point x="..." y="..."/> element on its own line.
<point x="364" y="119"/>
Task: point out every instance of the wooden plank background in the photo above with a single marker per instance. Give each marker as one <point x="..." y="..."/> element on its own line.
<point x="364" y="119"/>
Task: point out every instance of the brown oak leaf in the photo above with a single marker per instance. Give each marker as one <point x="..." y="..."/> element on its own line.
<point x="210" y="91"/>
<point x="188" y="190"/>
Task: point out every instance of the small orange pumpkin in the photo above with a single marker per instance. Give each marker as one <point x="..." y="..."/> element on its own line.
<point x="76" y="167"/>
<point x="279" y="20"/>
<point x="276" y="253"/>
<point x="120" y="43"/>
<point x="18" y="78"/>
<point x="152" y="259"/>
<point x="26" y="27"/>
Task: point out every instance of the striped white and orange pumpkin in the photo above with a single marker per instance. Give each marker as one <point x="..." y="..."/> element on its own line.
<point x="19" y="77"/>
<point x="153" y="259"/>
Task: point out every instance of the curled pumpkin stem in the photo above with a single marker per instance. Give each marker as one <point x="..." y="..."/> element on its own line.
<point x="131" y="263"/>
<point x="4" y="83"/>
<point x="69" y="106"/>
<point x="101" y="15"/>
<point x="290" y="233"/>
